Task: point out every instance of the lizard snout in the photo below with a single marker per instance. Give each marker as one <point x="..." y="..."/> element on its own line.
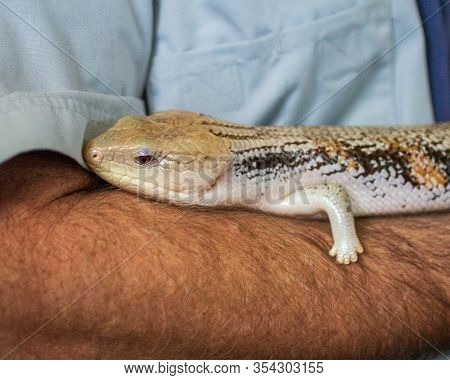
<point x="93" y="155"/>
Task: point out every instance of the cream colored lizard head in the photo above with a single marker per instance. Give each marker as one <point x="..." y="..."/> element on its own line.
<point x="160" y="156"/>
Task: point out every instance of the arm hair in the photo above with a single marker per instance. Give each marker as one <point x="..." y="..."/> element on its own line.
<point x="100" y="273"/>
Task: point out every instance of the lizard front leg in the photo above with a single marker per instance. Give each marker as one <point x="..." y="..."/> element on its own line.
<point x="334" y="200"/>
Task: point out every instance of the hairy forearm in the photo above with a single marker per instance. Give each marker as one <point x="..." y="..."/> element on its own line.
<point x="101" y="273"/>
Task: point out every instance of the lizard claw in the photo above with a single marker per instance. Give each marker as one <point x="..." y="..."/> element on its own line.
<point x="332" y="252"/>
<point x="359" y="248"/>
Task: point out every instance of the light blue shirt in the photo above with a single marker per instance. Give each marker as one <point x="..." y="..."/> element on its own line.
<point x="68" y="71"/>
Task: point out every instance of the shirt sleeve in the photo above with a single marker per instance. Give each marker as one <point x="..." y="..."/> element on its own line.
<point x="69" y="72"/>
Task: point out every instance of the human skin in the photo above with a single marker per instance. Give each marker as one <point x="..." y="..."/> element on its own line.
<point x="95" y="272"/>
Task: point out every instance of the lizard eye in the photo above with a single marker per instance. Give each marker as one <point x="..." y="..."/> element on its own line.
<point x="144" y="159"/>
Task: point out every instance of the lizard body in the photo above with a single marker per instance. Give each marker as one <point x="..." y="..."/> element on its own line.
<point x="193" y="159"/>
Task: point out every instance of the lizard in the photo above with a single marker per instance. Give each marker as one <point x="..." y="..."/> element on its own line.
<point x="192" y="159"/>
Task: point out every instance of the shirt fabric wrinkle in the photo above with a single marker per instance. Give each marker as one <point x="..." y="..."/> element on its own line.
<point x="249" y="62"/>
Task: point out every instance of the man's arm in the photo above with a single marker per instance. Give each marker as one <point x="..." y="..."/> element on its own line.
<point x="100" y="273"/>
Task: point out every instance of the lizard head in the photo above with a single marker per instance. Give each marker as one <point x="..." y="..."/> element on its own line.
<point x="160" y="156"/>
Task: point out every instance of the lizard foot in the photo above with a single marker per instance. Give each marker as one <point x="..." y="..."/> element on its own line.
<point x="346" y="253"/>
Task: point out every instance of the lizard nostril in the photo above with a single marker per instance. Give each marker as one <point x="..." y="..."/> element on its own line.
<point x="96" y="155"/>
